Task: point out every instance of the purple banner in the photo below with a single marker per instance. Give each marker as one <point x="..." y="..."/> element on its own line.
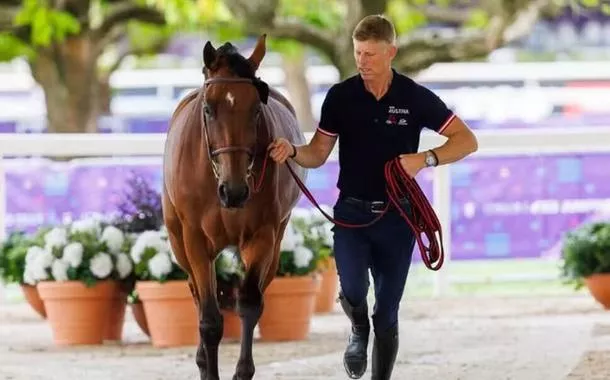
<point x="501" y="207"/>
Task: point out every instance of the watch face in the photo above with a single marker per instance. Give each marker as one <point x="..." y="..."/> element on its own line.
<point x="430" y="161"/>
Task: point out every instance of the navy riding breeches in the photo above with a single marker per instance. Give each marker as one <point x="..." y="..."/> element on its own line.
<point x="385" y="248"/>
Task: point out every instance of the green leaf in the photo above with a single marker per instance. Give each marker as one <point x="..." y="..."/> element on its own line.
<point x="478" y="18"/>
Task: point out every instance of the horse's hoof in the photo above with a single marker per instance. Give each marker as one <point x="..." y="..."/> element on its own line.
<point x="242" y="377"/>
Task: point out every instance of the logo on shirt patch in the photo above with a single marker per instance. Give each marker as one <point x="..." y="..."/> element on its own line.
<point x="397" y="116"/>
<point x="398" y="111"/>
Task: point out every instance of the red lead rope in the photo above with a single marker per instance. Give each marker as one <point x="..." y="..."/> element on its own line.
<point x="399" y="185"/>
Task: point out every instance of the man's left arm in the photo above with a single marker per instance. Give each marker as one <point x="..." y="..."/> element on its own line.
<point x="434" y="114"/>
<point x="460" y="143"/>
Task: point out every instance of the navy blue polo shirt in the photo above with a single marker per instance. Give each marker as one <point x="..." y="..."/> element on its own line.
<point x="372" y="132"/>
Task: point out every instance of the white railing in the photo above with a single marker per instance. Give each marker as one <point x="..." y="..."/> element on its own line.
<point x="492" y="143"/>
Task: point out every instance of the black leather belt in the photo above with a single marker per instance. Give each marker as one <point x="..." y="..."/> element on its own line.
<point x="374" y="207"/>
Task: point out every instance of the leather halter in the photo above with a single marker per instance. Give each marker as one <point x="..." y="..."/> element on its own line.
<point x="212" y="154"/>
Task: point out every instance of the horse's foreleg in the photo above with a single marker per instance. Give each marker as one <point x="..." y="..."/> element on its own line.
<point x="210" y="319"/>
<point x="260" y="258"/>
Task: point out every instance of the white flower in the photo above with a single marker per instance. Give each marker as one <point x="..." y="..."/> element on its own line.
<point x="113" y="237"/>
<point x="314" y="233"/>
<point x="148" y="239"/>
<point x="317" y="216"/>
<point x="56" y="238"/>
<point x="59" y="270"/>
<point x="44" y="259"/>
<point x="327" y="234"/>
<point x="124" y="266"/>
<point x="90" y="225"/>
<point x="302" y="256"/>
<point x="73" y="254"/>
<point x="28" y="275"/>
<point x="37" y="261"/>
<point x="32" y="253"/>
<point x="301" y="213"/>
<point x="291" y="238"/>
<point x="39" y="264"/>
<point x="160" y="265"/>
<point x="101" y="265"/>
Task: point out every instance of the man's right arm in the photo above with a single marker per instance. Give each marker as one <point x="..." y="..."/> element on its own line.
<point x="315" y="154"/>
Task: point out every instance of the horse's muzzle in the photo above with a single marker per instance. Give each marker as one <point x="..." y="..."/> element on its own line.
<point x="233" y="195"/>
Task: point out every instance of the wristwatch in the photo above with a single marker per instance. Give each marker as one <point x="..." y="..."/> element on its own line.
<point x="431" y="159"/>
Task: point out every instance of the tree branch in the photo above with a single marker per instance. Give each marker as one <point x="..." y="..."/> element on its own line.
<point x="512" y="23"/>
<point x="445" y="14"/>
<point x="305" y="34"/>
<point x="125" y="13"/>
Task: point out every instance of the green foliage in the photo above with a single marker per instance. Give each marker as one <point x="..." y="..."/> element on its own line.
<point x="406" y="18"/>
<point x="324" y="14"/>
<point x="586" y="251"/>
<point x="12" y="258"/>
<point x="306" y="245"/>
<point x="11" y="47"/>
<point x="153" y="258"/>
<point x="479" y="18"/>
<point x="47" y="25"/>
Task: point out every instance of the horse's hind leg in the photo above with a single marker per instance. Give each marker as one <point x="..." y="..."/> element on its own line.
<point x="260" y="256"/>
<point x="210" y="318"/>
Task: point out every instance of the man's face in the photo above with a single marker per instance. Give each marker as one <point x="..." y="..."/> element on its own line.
<point x="373" y="58"/>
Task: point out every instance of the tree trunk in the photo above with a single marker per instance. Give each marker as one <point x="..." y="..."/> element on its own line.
<point x="104" y="95"/>
<point x="68" y="75"/>
<point x="298" y="88"/>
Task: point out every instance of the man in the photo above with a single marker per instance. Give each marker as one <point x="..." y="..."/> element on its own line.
<point x="377" y="115"/>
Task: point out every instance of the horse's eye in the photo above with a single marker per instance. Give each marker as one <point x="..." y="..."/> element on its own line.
<point x="207" y="110"/>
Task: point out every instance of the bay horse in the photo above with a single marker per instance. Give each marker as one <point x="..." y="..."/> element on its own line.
<point x="215" y="153"/>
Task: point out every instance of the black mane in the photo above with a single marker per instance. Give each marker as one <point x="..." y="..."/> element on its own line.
<point x="236" y="62"/>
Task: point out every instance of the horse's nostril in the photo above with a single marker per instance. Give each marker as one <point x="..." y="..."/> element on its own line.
<point x="222" y="191"/>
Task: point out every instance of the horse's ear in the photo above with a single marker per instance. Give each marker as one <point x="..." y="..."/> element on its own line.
<point x="209" y="55"/>
<point x="258" y="53"/>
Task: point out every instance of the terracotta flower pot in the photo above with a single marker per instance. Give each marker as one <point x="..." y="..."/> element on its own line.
<point x="30" y="293"/>
<point x="289" y="306"/>
<point x="78" y="314"/>
<point x="327" y="296"/>
<point x="116" y="317"/>
<point x="599" y="287"/>
<point x="231" y="325"/>
<point x="171" y="313"/>
<point x="137" y="309"/>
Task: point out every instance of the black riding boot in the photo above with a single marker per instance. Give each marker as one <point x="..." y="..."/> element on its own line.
<point x="385" y="348"/>
<point x="355" y="356"/>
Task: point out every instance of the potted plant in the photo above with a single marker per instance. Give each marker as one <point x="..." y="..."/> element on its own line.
<point x="163" y="289"/>
<point x="139" y="210"/>
<point x="82" y="271"/>
<point x="12" y="267"/>
<point x="586" y="259"/>
<point x="290" y="298"/>
<point x="318" y="237"/>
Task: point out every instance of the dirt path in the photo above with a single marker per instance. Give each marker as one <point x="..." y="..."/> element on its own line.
<point x="451" y="339"/>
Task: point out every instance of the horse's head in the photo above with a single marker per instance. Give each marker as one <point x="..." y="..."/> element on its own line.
<point x="232" y="109"/>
